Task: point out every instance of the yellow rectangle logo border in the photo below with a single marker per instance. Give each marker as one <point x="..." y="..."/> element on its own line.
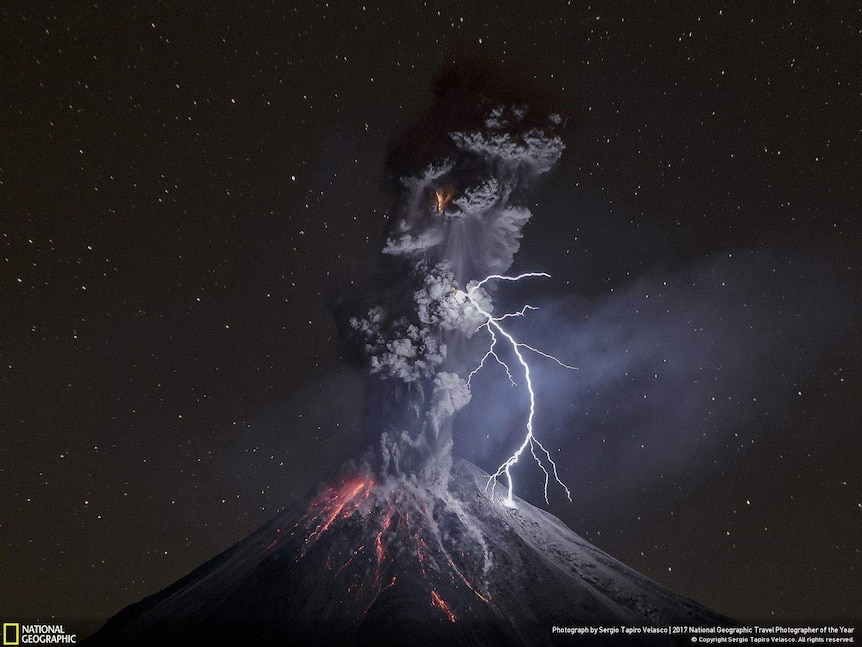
<point x="7" y="626"/>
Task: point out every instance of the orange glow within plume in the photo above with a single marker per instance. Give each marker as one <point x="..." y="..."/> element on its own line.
<point x="442" y="196"/>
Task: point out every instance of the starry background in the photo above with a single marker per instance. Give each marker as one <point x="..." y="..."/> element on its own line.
<point x="185" y="189"/>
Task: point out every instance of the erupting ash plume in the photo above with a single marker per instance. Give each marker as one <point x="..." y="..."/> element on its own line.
<point x="461" y="174"/>
<point x="407" y="548"/>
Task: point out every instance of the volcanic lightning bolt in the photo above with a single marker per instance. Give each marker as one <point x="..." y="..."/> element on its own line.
<point x="494" y="327"/>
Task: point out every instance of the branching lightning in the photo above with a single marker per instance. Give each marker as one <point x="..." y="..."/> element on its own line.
<point x="494" y="327"/>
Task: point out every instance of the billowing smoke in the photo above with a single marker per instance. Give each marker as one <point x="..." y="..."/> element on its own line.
<point x="460" y="174"/>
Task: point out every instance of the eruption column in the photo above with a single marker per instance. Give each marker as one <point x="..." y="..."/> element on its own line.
<point x="492" y="324"/>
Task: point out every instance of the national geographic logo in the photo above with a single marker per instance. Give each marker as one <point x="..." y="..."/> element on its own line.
<point x="14" y="633"/>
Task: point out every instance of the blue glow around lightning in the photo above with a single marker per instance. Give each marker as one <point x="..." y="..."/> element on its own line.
<point x="493" y="326"/>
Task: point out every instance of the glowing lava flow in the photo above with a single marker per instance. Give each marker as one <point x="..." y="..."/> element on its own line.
<point x="336" y="502"/>
<point x="492" y="324"/>
<point x="396" y="527"/>
<point x="441" y="604"/>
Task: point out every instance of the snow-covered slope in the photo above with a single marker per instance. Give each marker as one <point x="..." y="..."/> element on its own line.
<point x="371" y="563"/>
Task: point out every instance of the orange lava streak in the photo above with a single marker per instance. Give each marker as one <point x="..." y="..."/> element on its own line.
<point x="350" y="560"/>
<point x="441" y="604"/>
<point x="391" y="584"/>
<point x="466" y="581"/>
<point x="341" y="499"/>
<point x="379" y="548"/>
<point x="421" y="548"/>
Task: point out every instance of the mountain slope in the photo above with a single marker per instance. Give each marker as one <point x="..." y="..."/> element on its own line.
<point x="380" y="563"/>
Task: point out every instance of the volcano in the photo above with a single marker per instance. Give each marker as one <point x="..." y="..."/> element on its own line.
<point x="373" y="561"/>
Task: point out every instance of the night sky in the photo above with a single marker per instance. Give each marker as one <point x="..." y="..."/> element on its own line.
<point x="185" y="192"/>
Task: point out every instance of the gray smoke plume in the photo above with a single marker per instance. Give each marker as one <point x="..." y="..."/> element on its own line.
<point x="460" y="175"/>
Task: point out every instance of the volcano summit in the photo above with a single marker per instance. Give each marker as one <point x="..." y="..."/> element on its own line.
<point x="393" y="563"/>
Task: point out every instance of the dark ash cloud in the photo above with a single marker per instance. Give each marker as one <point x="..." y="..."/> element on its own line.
<point x="460" y="173"/>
